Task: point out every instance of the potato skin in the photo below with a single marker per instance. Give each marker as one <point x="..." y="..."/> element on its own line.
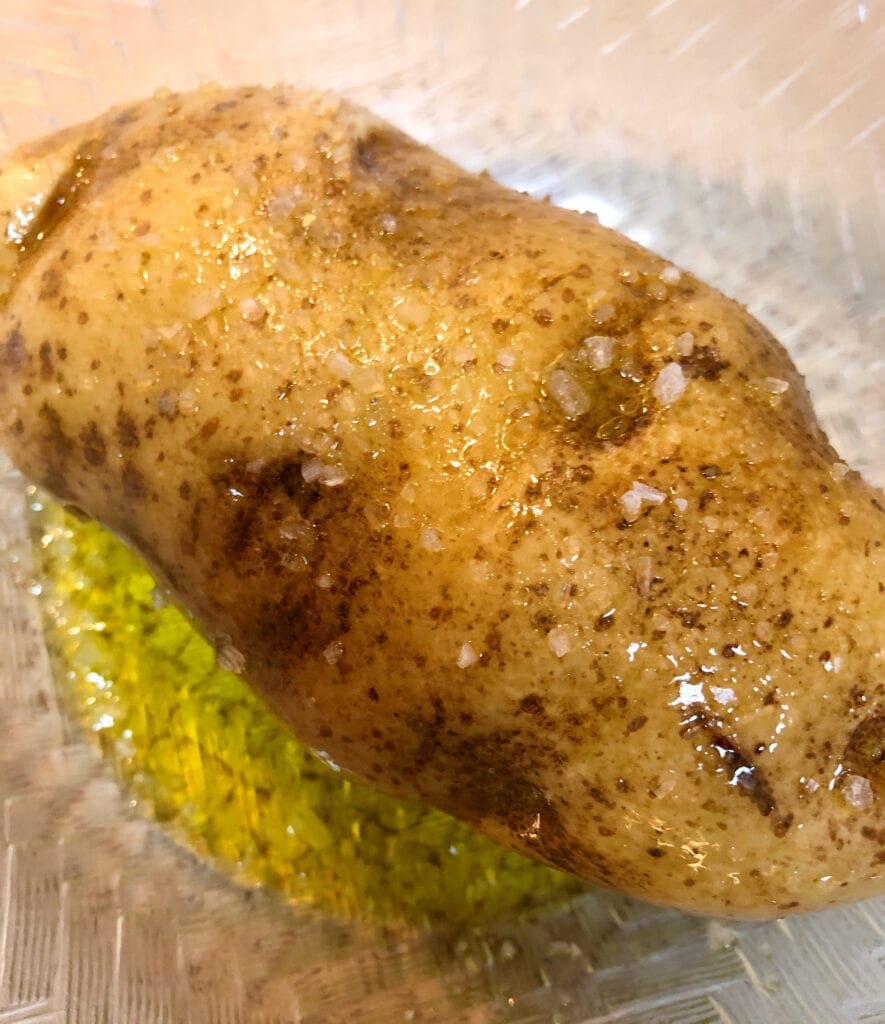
<point x="308" y="368"/>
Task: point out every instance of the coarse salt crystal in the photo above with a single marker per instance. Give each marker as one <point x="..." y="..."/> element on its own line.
<point x="334" y="476"/>
<point x="639" y="493"/>
<point x="331" y="240"/>
<point x="670" y="274"/>
<point x="572" y="548"/>
<point x="632" y="504"/>
<point x="723" y="695"/>
<point x="463" y="354"/>
<point x="244" y="176"/>
<point x="559" y="641"/>
<point x="644" y="575"/>
<point x="227" y="657"/>
<point x="685" y="344"/>
<point x="839" y="470"/>
<point x="810" y="785"/>
<point x="429" y="539"/>
<point x="467" y="656"/>
<point x="681" y="504"/>
<point x="252" y="310"/>
<point x="413" y="313"/>
<point x="202" y="305"/>
<point x="649" y="494"/>
<point x="167" y="403"/>
<point x="168" y="331"/>
<point x="324" y="581"/>
<point x="568" y="393"/>
<point x="339" y="363"/>
<point x="599" y="351"/>
<point x="857" y="791"/>
<point x="316" y="470"/>
<point x="670" y="384"/>
<point x="311" y="470"/>
<point x="334" y="652"/>
<point x="775" y="386"/>
<point x="386" y="223"/>
<point x="368" y="380"/>
<point x="506" y="359"/>
<point x="603" y="313"/>
<point x="280" y="206"/>
<point x="480" y="572"/>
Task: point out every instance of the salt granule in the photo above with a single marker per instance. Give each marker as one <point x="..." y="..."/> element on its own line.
<point x="467" y="656"/>
<point x="685" y="344"/>
<point x="429" y="539"/>
<point x="670" y="384"/>
<point x="334" y="652"/>
<point x="568" y="393"/>
<point x="559" y="641"/>
<point x="339" y="363"/>
<point x="227" y="657"/>
<point x="632" y="504"/>
<point x="599" y="349"/>
<point x="858" y="792"/>
<point x="649" y="494"/>
<point x="252" y="310"/>
<point x="644" y="575"/>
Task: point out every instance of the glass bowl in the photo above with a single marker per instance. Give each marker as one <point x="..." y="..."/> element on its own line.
<point x="742" y="141"/>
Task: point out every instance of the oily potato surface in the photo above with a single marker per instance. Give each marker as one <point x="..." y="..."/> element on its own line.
<point x="615" y="601"/>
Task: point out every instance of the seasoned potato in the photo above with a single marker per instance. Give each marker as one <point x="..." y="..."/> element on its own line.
<point x="495" y="507"/>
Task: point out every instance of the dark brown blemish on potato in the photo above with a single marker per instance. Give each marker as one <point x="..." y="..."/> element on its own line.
<point x="494" y="785"/>
<point x="745" y="775"/>
<point x="47" y="368"/>
<point x="68" y="191"/>
<point x="532" y="704"/>
<point x="209" y="428"/>
<point x="704" y="363"/>
<point x="94" y="446"/>
<point x="58" y="449"/>
<point x="127" y="430"/>
<point x="14" y="354"/>
<point x="134" y="484"/>
<point x="865" y="751"/>
<point x="250" y="497"/>
<point x="50" y="284"/>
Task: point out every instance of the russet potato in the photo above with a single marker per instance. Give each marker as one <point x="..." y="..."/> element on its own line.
<point x="497" y="508"/>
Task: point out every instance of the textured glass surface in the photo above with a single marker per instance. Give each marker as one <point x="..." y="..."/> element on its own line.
<point x="743" y="141"/>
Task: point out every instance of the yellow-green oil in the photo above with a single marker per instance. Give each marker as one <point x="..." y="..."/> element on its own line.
<point x="197" y="749"/>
